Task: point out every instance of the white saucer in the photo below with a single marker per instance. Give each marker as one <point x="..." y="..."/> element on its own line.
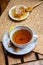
<point x="27" y="49"/>
<point x="18" y="19"/>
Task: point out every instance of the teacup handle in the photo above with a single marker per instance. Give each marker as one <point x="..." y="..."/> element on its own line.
<point x="34" y="38"/>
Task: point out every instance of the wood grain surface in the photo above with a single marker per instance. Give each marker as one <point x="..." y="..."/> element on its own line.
<point x="2" y="59"/>
<point x="12" y="59"/>
<point x="32" y="63"/>
<point x="35" y="21"/>
<point x="3" y="4"/>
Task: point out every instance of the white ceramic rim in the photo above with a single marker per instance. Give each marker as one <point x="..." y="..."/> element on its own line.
<point x="18" y="19"/>
<point x="18" y="28"/>
<point x="26" y="50"/>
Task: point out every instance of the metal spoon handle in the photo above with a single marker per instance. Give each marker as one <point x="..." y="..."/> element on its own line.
<point x="37" y="4"/>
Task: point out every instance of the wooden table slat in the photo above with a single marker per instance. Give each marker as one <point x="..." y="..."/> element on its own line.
<point x="31" y="63"/>
<point x="40" y="56"/>
<point x="29" y="57"/>
<point x="41" y="61"/>
<point x="2" y="58"/>
<point x="13" y="60"/>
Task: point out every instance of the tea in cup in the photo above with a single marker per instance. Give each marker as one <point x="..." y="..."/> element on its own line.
<point x="21" y="36"/>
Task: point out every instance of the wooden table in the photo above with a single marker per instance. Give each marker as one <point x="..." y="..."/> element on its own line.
<point x="28" y="59"/>
<point x="3" y="4"/>
<point x="6" y="58"/>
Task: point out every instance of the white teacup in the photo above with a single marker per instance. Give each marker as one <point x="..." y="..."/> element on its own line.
<point x="34" y="37"/>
